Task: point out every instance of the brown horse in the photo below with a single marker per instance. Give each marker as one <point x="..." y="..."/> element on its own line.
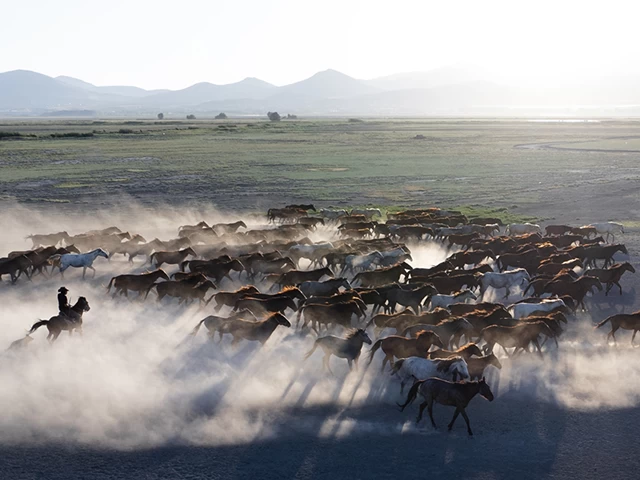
<point x="332" y="314"/>
<point x="137" y="283"/>
<point x="348" y="347"/>
<point x="626" y="321"/>
<point x="260" y="307"/>
<point x="229" y="299"/>
<point x="174" y="288"/>
<point x="401" y="347"/>
<point x="57" y="324"/>
<point x="444" y="392"/>
<point x="215" y="324"/>
<point x="611" y="276"/>
<point x="254" y="331"/>
<point x="602" y="252"/>
<point x="295" y="277"/>
<point x="519" y="336"/>
<point x="15" y="266"/>
<point x="171" y="258"/>
<point x="576" y="289"/>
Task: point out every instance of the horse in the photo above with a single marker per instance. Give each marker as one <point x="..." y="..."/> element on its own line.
<point x="401" y="347"/>
<point x="382" y="276"/>
<point x="576" y="289"/>
<point x="506" y="280"/>
<point x="338" y="314"/>
<point x="361" y="262"/>
<point x="171" y="258"/>
<point x="254" y="331"/>
<point x="409" y="298"/>
<point x="611" y="276"/>
<point x="367" y="212"/>
<point x="294" y="277"/>
<point x="324" y="289"/>
<point x="77" y="260"/>
<point x="522" y="228"/>
<point x="15" y="267"/>
<point x="519" y="336"/>
<point x="444" y="301"/>
<point x="406" y="318"/>
<point x="626" y="321"/>
<point x="49" y="239"/>
<point x="229" y="299"/>
<point x="260" y="307"/>
<point x="520" y="310"/>
<point x="557" y="229"/>
<point x="58" y="323"/>
<point x="223" y="228"/>
<point x="608" y="228"/>
<point x="451" y="327"/>
<point x="477" y="365"/>
<point x="215" y="324"/>
<point x="411" y="369"/>
<point x="348" y="347"/>
<point x="136" y="283"/>
<point x="604" y="252"/>
<point x="455" y="394"/>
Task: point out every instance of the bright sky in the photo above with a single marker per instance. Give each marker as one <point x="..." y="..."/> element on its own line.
<point x="173" y="44"/>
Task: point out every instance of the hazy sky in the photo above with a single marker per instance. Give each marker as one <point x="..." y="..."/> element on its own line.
<point x="173" y="44"/>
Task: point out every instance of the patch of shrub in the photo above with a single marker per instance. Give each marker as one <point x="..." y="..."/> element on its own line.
<point x="125" y="131"/>
<point x="72" y="135"/>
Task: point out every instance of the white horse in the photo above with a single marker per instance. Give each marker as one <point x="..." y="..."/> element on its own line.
<point x="608" y="228"/>
<point x="507" y="280"/>
<point x="77" y="260"/>
<point x="412" y="369"/>
<point x="521" y="310"/>
<point x="444" y="301"/>
<point x="362" y="262"/>
<point x="369" y="213"/>
<point x="333" y="215"/>
<point x="522" y="228"/>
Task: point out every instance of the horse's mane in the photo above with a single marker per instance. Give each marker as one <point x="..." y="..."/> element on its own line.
<point x="445" y="363"/>
<point x="289" y="288"/>
<point x="354" y="332"/>
<point x="424" y="333"/>
<point x="466" y="347"/>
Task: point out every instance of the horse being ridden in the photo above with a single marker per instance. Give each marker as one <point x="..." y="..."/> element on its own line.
<point x="57" y="324"/>
<point x="64" y="307"/>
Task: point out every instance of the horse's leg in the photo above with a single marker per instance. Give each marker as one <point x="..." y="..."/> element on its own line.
<point x="326" y="361"/>
<point x="619" y="286"/>
<point x="84" y="271"/>
<point x="466" y="419"/>
<point x="355" y="362"/>
<point x="633" y="336"/>
<point x="429" y="403"/>
<point x="349" y="362"/>
<point x="455" y="417"/>
<point x="387" y="358"/>
<point x="94" y="271"/>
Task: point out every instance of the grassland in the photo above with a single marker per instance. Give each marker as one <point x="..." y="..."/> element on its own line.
<point x="480" y="165"/>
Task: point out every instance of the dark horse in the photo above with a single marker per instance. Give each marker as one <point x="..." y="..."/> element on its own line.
<point x="57" y="324"/>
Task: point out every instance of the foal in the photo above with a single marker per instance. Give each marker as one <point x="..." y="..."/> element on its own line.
<point x="455" y="394"/>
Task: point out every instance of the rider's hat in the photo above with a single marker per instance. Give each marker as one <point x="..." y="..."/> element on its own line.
<point x="63" y="290"/>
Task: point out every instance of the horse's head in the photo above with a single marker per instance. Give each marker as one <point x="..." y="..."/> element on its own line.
<point x="493" y="360"/>
<point x="102" y="253"/>
<point x="343" y="282"/>
<point x="484" y="390"/>
<point x="430" y="338"/>
<point x="627" y="266"/>
<point x="236" y="265"/>
<point x="289" y="302"/>
<point x="138" y="238"/>
<point x="590" y="282"/>
<point x="83" y="304"/>
<point x="623" y="249"/>
<point x="162" y="274"/>
<point x="473" y="349"/>
<point x="190" y="251"/>
<point x="362" y="335"/>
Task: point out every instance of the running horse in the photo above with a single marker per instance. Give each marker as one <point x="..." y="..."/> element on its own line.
<point x="77" y="260"/>
<point x="57" y="324"/>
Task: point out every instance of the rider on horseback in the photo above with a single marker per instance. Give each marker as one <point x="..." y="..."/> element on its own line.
<point x="64" y="307"/>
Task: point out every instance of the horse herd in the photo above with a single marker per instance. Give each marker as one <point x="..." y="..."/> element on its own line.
<point x="436" y="325"/>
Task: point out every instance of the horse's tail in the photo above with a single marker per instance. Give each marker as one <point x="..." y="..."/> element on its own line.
<point x="183" y="265"/>
<point x="110" y="283"/>
<point x="608" y="319"/>
<point x="413" y="393"/>
<point x="374" y="349"/>
<point x="195" y="330"/>
<point x="37" y="325"/>
<point x="310" y="352"/>
<point x="152" y="258"/>
<point x="397" y="365"/>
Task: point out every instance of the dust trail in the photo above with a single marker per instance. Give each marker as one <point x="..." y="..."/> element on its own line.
<point x="136" y="379"/>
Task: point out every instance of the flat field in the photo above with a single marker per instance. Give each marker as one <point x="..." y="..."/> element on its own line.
<point x="244" y="165"/>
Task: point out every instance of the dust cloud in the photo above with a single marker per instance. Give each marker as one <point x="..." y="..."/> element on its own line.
<point x="137" y="379"/>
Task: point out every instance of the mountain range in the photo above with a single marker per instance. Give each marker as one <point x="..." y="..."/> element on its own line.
<point x="446" y="91"/>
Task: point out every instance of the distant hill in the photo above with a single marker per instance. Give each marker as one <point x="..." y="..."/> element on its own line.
<point x="124" y="90"/>
<point x="447" y="91"/>
<point x="251" y="88"/>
